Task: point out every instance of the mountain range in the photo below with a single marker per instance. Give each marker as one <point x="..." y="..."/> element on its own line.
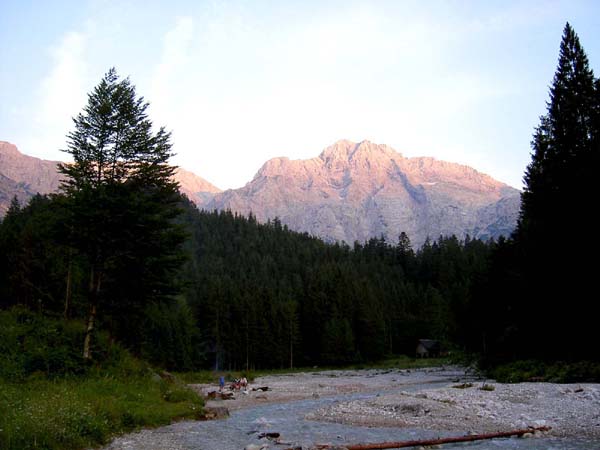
<point x="356" y="191"/>
<point x="24" y="176"/>
<point x="350" y="192"/>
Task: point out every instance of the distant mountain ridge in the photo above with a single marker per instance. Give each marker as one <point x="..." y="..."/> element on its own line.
<point x="24" y="176"/>
<point x="356" y="191"/>
<point x="350" y="192"/>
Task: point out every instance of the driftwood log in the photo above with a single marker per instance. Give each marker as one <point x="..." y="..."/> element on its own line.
<point x="262" y="388"/>
<point x="447" y="440"/>
<point x="269" y="435"/>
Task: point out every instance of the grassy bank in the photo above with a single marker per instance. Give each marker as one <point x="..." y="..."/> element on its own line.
<point x="50" y="398"/>
<point x="554" y="372"/>
<point x="79" y="413"/>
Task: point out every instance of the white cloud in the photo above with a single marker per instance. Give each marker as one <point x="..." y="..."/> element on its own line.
<point x="174" y="57"/>
<point x="60" y="96"/>
<point x="63" y="90"/>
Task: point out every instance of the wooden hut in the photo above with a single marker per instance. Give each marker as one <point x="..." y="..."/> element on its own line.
<point x="428" y="348"/>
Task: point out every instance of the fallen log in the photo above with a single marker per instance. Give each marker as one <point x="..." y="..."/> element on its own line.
<point x="448" y="440"/>
<point x="269" y="435"/>
<point x="262" y="388"/>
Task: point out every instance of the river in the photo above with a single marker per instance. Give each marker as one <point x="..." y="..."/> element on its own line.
<point x="288" y="418"/>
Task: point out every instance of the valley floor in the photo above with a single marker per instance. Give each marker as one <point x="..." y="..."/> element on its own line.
<point x="422" y="399"/>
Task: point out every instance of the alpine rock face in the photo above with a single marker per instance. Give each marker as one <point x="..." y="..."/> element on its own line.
<point x="357" y="191"/>
<point x="24" y="176"/>
<point x="350" y="192"/>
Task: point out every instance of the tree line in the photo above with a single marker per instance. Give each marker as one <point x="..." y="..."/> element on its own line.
<point x="252" y="295"/>
<point x="122" y="250"/>
<point x="269" y="297"/>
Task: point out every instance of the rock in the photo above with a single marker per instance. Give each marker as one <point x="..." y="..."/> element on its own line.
<point x="168" y="377"/>
<point x="356" y="191"/>
<point x="196" y="188"/>
<point x="227" y="396"/>
<point x="25" y="176"/>
<point x="155" y="377"/>
<point x="255" y="447"/>
<point x="216" y="412"/>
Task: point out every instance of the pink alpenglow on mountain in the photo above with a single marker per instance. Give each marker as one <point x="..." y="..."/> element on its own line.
<point x="350" y="192"/>
<point x="197" y="189"/>
<point x="357" y="191"/>
<point x="24" y="176"/>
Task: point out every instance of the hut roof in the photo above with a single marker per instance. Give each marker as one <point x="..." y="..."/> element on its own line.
<point x="429" y="344"/>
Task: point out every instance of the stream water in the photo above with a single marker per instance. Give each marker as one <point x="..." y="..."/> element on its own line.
<point x="243" y="427"/>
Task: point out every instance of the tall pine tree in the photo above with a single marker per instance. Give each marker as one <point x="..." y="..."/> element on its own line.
<point x="122" y="203"/>
<point x="554" y="235"/>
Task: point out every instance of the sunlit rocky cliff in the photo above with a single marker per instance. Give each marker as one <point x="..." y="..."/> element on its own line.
<point x="355" y="191"/>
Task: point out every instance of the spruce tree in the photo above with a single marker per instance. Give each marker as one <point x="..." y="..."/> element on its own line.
<point x="562" y="145"/>
<point x="554" y="234"/>
<point x="122" y="204"/>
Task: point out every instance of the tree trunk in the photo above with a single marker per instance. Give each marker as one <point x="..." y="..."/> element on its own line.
<point x="291" y="345"/>
<point x="94" y="290"/>
<point x="88" y="332"/>
<point x="69" y="286"/>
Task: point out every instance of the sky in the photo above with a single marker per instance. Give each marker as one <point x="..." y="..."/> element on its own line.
<point x="240" y="82"/>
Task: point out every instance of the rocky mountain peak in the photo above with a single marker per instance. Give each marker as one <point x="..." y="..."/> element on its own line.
<point x="273" y="167"/>
<point x="8" y="150"/>
<point x="36" y="175"/>
<point x="347" y="151"/>
<point x="351" y="192"/>
<point x="355" y="191"/>
<point x="25" y="176"/>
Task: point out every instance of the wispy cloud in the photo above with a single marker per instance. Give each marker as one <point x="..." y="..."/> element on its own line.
<point x="173" y="60"/>
<point x="61" y="95"/>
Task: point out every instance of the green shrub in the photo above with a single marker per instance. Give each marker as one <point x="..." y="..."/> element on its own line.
<point x="556" y="372"/>
<point x="50" y="398"/>
<point x="85" y="412"/>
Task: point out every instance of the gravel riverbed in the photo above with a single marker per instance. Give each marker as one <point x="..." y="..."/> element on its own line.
<point x="359" y="406"/>
<point x="571" y="410"/>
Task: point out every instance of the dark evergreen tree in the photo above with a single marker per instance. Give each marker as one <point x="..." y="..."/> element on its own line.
<point x="122" y="202"/>
<point x="562" y="146"/>
<point x="554" y="236"/>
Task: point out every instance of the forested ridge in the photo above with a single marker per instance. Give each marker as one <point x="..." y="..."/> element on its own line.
<point x="269" y="297"/>
<point x="259" y="295"/>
